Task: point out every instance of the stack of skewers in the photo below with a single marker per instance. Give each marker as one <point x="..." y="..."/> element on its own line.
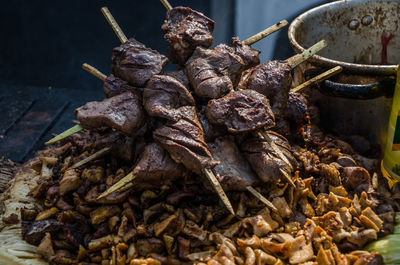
<point x="218" y="162"/>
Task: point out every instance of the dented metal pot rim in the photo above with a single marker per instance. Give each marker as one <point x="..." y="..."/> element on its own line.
<point x="326" y="62"/>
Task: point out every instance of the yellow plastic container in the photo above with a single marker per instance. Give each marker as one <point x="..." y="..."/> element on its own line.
<point x="390" y="165"/>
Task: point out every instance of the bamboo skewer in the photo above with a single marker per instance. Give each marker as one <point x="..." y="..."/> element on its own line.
<point x="261" y="198"/>
<point x="259" y="36"/>
<point x="94" y="71"/>
<point x="113" y="23"/>
<point x="65" y="134"/>
<point x="319" y="78"/>
<point x="271" y="143"/>
<point x="299" y="58"/>
<point x="124" y="184"/>
<point x="218" y="188"/>
<point x="166" y="4"/>
<point x="94" y="156"/>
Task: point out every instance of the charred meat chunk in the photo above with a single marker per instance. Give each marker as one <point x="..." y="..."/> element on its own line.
<point x="213" y="73"/>
<point x="249" y="55"/>
<point x="264" y="159"/>
<point x="163" y="96"/>
<point x="123" y="113"/>
<point x="114" y="86"/>
<point x="233" y="171"/>
<point x="209" y="70"/>
<point x="273" y="80"/>
<point x="122" y="146"/>
<point x="184" y="140"/>
<point x="241" y="111"/>
<point x="179" y="75"/>
<point x="297" y="109"/>
<point x="185" y="29"/>
<point x="211" y="131"/>
<point x="156" y="166"/>
<point x="135" y="63"/>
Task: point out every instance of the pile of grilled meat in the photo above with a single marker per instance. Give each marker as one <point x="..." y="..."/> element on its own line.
<point x="221" y="111"/>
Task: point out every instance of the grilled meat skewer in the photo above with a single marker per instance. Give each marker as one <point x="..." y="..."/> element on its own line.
<point x="185" y="29"/>
<point x="213" y="73"/>
<point x="112" y="85"/>
<point x="133" y="61"/>
<point x="241" y="111"/>
<point x="273" y="78"/>
<point x="123" y="112"/>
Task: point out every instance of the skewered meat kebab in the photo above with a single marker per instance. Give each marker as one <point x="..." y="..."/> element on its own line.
<point x="182" y="136"/>
<point x="213" y="73"/>
<point x="112" y="85"/>
<point x="184" y="30"/>
<point x="241" y="115"/>
<point x="133" y="61"/>
<point x="273" y="78"/>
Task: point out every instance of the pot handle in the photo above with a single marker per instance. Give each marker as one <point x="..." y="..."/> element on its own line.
<point x="384" y="87"/>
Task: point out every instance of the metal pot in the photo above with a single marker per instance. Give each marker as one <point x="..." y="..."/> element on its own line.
<point x="353" y="30"/>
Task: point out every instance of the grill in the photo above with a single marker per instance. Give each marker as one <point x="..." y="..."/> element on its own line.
<point x="31" y="115"/>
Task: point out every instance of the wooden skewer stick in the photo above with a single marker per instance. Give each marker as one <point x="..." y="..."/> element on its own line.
<point x="217" y="186"/>
<point x="271" y="142"/>
<point x="259" y="36"/>
<point x="124" y="184"/>
<point x="287" y="177"/>
<point x="166" y="4"/>
<point x="94" y="156"/>
<point x="113" y="23"/>
<point x="319" y="78"/>
<point x="94" y="71"/>
<point x="65" y="134"/>
<point x="299" y="58"/>
<point x="261" y="198"/>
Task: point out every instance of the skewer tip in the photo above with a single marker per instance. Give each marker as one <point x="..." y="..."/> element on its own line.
<point x="122" y="184"/>
<point x="166" y="4"/>
<point x="65" y="134"/>
<point x="114" y="25"/>
<point x="218" y="188"/>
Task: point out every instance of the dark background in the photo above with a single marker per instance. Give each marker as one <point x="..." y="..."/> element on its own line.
<point x="44" y="43"/>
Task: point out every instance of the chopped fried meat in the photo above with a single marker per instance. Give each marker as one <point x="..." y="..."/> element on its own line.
<point x="34" y="232"/>
<point x="356" y="178"/>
